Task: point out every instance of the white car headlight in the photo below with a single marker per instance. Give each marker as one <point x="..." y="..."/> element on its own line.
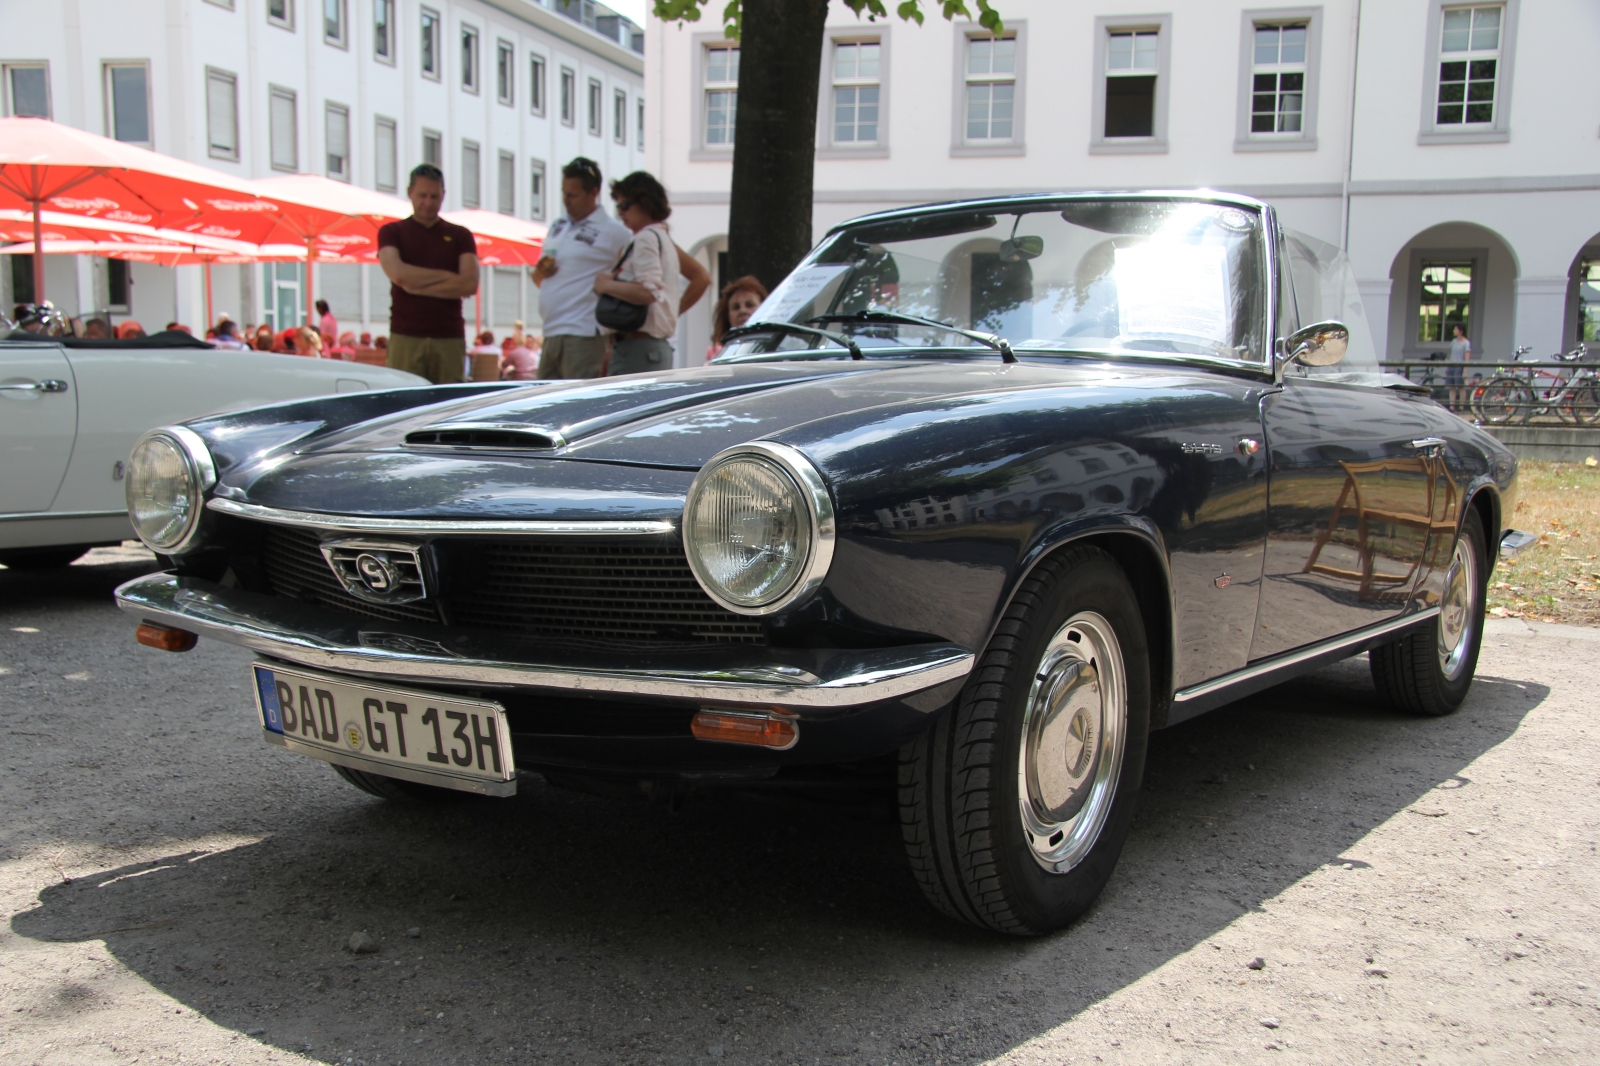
<point x="758" y="528"/>
<point x="168" y="474"/>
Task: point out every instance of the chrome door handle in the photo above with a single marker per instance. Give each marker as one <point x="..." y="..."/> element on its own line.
<point x="47" y="385"/>
<point x="1424" y="444"/>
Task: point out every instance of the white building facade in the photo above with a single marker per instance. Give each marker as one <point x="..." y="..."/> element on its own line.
<point x="1441" y="144"/>
<point x="499" y="93"/>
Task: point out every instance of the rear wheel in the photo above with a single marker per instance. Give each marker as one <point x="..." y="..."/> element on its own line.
<point x="1016" y="802"/>
<point x="392" y="788"/>
<point x="1584" y="404"/>
<point x="42" y="558"/>
<point x="1502" y="400"/>
<point x="1430" y="670"/>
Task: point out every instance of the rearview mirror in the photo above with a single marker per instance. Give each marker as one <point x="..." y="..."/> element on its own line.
<point x="1319" y="344"/>
<point x="1020" y="249"/>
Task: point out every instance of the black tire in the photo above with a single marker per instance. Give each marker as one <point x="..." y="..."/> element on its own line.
<point x="1415" y="674"/>
<point x="1503" y="400"/>
<point x="961" y="801"/>
<point x="396" y="790"/>
<point x="42" y="558"/>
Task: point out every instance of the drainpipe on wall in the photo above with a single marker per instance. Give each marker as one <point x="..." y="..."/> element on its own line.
<point x="1350" y="147"/>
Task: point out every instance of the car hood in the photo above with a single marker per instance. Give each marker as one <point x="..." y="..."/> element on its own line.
<point x="610" y="447"/>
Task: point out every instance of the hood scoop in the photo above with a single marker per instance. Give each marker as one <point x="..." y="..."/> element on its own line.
<point x="514" y="435"/>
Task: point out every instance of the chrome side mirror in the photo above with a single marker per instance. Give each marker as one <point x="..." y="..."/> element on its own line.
<point x="1319" y="344"/>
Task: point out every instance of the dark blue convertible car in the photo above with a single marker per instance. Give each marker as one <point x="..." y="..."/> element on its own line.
<point x="984" y="493"/>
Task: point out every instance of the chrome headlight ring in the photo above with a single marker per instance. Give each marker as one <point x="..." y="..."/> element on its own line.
<point x="812" y="496"/>
<point x="199" y="472"/>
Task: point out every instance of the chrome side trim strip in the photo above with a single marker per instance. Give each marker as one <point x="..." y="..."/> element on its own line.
<point x="35" y="516"/>
<point x="818" y="680"/>
<point x="1197" y="699"/>
<point x="359" y="524"/>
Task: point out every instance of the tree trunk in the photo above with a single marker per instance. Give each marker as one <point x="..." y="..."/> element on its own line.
<point x="775" y="137"/>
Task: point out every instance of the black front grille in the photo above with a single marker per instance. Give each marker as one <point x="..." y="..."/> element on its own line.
<point x="572" y="589"/>
<point x="296" y="568"/>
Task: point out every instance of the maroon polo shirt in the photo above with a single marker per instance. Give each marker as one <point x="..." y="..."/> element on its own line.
<point x="439" y="246"/>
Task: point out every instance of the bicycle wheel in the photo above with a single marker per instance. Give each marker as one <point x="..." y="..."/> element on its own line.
<point x="1583" y="403"/>
<point x="1503" y="400"/>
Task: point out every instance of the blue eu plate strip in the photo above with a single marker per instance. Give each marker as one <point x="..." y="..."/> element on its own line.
<point x="267" y="685"/>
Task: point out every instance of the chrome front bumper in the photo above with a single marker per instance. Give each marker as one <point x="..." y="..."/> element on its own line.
<point x="799" y="678"/>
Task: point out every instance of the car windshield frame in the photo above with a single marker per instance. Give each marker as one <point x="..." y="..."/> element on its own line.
<point x="1253" y="314"/>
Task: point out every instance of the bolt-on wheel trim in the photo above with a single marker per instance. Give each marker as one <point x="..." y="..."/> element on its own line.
<point x="1073" y="738"/>
<point x="1458" y="609"/>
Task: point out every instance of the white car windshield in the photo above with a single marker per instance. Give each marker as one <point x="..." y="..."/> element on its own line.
<point x="1108" y="275"/>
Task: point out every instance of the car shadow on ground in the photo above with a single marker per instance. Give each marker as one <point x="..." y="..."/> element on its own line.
<point x="560" y="926"/>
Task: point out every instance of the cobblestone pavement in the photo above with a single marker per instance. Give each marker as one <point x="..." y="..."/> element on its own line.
<point x="1416" y="891"/>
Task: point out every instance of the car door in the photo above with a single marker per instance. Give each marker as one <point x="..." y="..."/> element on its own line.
<point x="38" y="421"/>
<point x="1349" y="502"/>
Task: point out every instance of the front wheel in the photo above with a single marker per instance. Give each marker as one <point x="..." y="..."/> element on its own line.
<point x="1430" y="670"/>
<point x="1016" y="802"/>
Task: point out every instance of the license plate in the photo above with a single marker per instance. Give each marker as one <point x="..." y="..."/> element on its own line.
<point x="403" y="733"/>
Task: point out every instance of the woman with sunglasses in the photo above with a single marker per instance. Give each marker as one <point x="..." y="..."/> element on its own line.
<point x="646" y="274"/>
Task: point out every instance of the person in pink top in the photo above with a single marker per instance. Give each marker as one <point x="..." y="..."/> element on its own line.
<point x="327" y="325"/>
<point x="518" y="362"/>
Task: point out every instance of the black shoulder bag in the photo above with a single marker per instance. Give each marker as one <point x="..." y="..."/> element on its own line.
<point x="615" y="313"/>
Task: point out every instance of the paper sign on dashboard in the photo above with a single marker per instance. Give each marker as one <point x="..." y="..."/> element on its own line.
<point x="799" y="289"/>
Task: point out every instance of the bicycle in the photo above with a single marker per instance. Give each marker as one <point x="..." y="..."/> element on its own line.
<point x="1504" y="397"/>
<point x="1573" y="396"/>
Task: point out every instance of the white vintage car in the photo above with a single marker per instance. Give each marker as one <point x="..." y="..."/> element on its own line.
<point x="71" y="409"/>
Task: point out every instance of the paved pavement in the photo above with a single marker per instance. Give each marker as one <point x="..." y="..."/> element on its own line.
<point x="1416" y="890"/>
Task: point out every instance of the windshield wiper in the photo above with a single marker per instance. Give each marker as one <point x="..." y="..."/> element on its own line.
<point x="792" y="327"/>
<point x="991" y="340"/>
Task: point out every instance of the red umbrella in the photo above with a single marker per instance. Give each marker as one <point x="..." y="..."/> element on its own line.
<point x="45" y="165"/>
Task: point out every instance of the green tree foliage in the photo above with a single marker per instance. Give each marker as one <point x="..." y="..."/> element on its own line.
<point x="910" y="10"/>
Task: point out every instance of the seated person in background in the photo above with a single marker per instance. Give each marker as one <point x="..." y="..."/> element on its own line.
<point x="346" y="348"/>
<point x="740" y="298"/>
<point x="130" y="331"/>
<point x="381" y="343"/>
<point x="179" y="326"/>
<point x="263" y="338"/>
<point x="308" y="341"/>
<point x="97" y="329"/>
<point x="518" y="362"/>
<point x="485" y="344"/>
<point x="226" y="338"/>
<point x="366" y="340"/>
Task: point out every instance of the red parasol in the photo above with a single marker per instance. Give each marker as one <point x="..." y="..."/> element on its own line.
<point x="45" y="165"/>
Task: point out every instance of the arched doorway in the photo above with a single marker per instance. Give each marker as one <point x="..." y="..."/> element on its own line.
<point x="694" y="328"/>
<point x="1453" y="273"/>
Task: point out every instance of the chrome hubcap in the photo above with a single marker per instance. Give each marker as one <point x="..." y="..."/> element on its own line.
<point x="1458" y="612"/>
<point x="1072" y="741"/>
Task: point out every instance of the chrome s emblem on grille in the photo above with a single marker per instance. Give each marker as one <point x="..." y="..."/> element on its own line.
<point x="378" y="571"/>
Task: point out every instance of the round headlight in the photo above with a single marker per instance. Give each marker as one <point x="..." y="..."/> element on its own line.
<point x="758" y="528"/>
<point x="167" y="476"/>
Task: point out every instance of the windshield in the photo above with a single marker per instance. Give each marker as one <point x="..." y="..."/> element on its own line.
<point x="1112" y="275"/>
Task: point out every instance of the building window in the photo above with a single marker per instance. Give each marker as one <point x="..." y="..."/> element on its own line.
<point x="991" y="72"/>
<point x="504" y="84"/>
<point x="1130" y="85"/>
<point x="116" y="284"/>
<point x="283" y="129"/>
<point x="638" y="127"/>
<point x="536" y="84"/>
<point x="595" y="117"/>
<point x="337" y="140"/>
<point x="1469" y="60"/>
<point x="470" y="179"/>
<point x="722" y="95"/>
<point x="333" y="22"/>
<point x="222" y="114"/>
<point x="385" y="154"/>
<point x="27" y="88"/>
<point x="430" y="44"/>
<point x="469" y="59"/>
<point x="569" y="98"/>
<point x="506" y="190"/>
<point x="383" y="30"/>
<point x="1446" y="300"/>
<point x="433" y="148"/>
<point x="1131" y="72"/>
<point x="855" y="92"/>
<point x="1589" y="300"/>
<point x="128" y="102"/>
<point x="536" y="188"/>
<point x="1278" y="80"/>
<point x="619" y="117"/>
<point x="281" y="13"/>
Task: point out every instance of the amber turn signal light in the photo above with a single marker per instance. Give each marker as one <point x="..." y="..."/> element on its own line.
<point x="152" y="635"/>
<point x="763" y="729"/>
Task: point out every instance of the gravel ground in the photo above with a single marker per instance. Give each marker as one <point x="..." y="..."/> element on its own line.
<point x="174" y="890"/>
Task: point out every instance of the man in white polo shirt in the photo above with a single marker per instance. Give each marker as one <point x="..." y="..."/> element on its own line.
<point x="580" y="245"/>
